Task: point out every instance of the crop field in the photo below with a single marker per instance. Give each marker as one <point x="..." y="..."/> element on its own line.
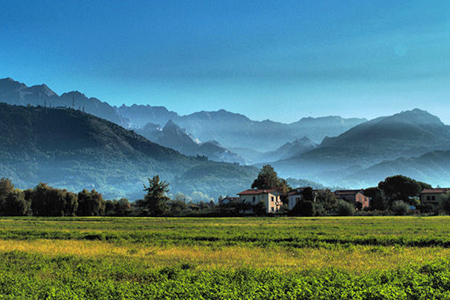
<point x="225" y="258"/>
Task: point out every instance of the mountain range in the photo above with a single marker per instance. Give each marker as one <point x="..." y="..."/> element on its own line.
<point x="229" y="130"/>
<point x="329" y="150"/>
<point x="70" y="149"/>
<point x="378" y="148"/>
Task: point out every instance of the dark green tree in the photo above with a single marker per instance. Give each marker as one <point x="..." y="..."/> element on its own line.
<point x="6" y="187"/>
<point x="377" y="199"/>
<point x="268" y="179"/>
<point x="16" y="205"/>
<point x="326" y="200"/>
<point x="445" y="204"/>
<point x="304" y="208"/>
<point x="308" y="193"/>
<point x="400" y="187"/>
<point x="90" y="203"/>
<point x="48" y="201"/>
<point x="156" y="197"/>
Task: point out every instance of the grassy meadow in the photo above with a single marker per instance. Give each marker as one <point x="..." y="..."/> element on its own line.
<point x="225" y="258"/>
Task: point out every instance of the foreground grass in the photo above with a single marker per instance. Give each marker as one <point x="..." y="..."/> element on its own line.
<point x="268" y="258"/>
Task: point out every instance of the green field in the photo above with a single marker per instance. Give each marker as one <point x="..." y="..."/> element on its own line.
<point x="225" y="258"/>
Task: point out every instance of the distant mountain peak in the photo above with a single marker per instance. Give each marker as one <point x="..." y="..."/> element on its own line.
<point x="415" y="116"/>
<point x="43" y="89"/>
<point x="76" y="94"/>
<point x="173" y="128"/>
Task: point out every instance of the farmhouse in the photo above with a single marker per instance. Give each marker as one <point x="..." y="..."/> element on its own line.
<point x="270" y="197"/>
<point x="355" y="197"/>
<point x="433" y="196"/>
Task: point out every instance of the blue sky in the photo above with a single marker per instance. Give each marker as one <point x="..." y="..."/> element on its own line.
<point x="279" y="60"/>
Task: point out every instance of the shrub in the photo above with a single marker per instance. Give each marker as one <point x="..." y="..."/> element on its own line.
<point x="400" y="208"/>
<point x="304" y="208"/>
<point x="344" y="208"/>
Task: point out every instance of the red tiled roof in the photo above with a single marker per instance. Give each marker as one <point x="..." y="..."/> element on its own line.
<point x="435" y="191"/>
<point x="257" y="192"/>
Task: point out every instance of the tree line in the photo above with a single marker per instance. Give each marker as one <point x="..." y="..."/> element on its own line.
<point x="44" y="200"/>
<point x="394" y="195"/>
<point x="47" y="201"/>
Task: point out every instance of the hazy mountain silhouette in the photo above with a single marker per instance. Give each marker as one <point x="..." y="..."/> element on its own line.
<point x="16" y="93"/>
<point x="71" y="149"/>
<point x="140" y="115"/>
<point x="432" y="167"/>
<point x="230" y="130"/>
<point x="237" y="131"/>
<point x="350" y="150"/>
<point x="403" y="135"/>
<point x="288" y="150"/>
<point x="172" y="136"/>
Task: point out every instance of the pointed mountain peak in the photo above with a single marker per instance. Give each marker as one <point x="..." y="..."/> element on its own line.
<point x="172" y="128"/>
<point x="171" y="124"/>
<point x="10" y="83"/>
<point x="42" y="89"/>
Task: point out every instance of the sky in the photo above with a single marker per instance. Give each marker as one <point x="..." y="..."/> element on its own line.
<point x="277" y="60"/>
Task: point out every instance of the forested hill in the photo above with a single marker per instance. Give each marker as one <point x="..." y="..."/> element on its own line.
<point x="67" y="148"/>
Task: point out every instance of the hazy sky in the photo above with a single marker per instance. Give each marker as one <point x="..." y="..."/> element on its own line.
<point x="279" y="60"/>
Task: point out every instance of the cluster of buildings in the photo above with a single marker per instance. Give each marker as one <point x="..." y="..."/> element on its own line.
<point x="272" y="198"/>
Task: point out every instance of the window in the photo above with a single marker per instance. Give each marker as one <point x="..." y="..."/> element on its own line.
<point x="273" y="198"/>
<point x="433" y="198"/>
<point x="254" y="199"/>
<point x="428" y="198"/>
<point x="273" y="209"/>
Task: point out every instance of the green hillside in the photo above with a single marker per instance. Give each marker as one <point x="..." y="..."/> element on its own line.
<point x="70" y="149"/>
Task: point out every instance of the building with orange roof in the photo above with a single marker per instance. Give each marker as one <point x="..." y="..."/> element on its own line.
<point x="270" y="197"/>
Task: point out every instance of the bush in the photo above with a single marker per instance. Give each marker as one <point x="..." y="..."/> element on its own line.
<point x="445" y="205"/>
<point x="400" y="208"/>
<point x="304" y="208"/>
<point x="344" y="208"/>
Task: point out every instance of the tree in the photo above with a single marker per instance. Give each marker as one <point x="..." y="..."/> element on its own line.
<point x="304" y="208"/>
<point x="48" y="201"/>
<point x="377" y="198"/>
<point x="268" y="179"/>
<point x="445" y="204"/>
<point x="6" y="187"/>
<point x="90" y="203"/>
<point x="327" y="200"/>
<point x="16" y="205"/>
<point x="400" y="207"/>
<point x="308" y="193"/>
<point x="401" y="188"/>
<point x="345" y="208"/>
<point x="156" y="198"/>
<point x="177" y="207"/>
